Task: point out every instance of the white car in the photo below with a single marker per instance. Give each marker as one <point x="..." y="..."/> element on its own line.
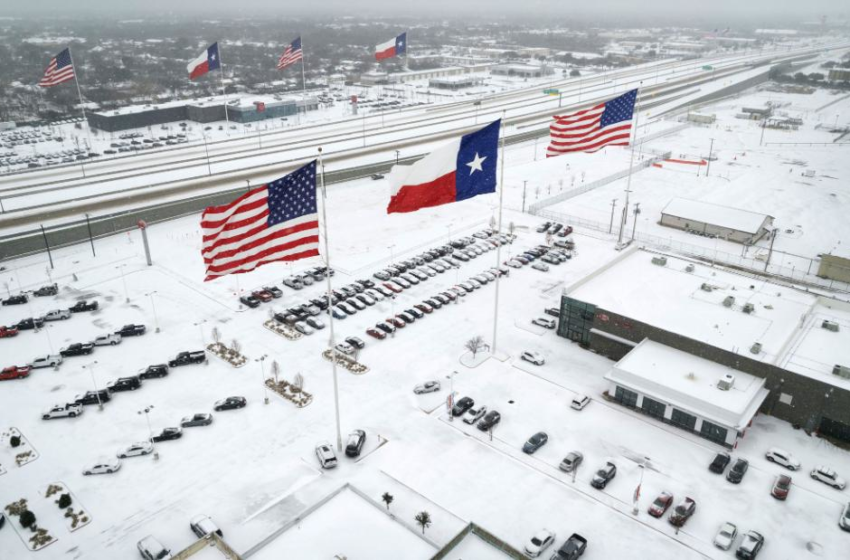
<point x="828" y="477"/>
<point x="51" y="360"/>
<point x="57" y="315"/>
<point x="533" y="357"/>
<point x="579" y="402"/>
<point x="474" y="414"/>
<point x="540" y="266"/>
<point x="427" y="387"/>
<point x="152" y="549"/>
<point x="315" y="323"/>
<point x="725" y="537"/>
<point x="136" y="450"/>
<point x="326" y="455"/>
<point x="103" y="468"/>
<point x="107" y="340"/>
<point x="202" y="526"/>
<point x="541" y="540"/>
<point x="303" y="328"/>
<point x="374" y="294"/>
<point x="344" y="348"/>
<point x="544" y="322"/>
<point x="63" y="410"/>
<point x="782" y="457"/>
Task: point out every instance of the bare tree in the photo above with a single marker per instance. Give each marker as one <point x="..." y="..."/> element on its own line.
<point x="275" y="370"/>
<point x="424" y="520"/>
<point x="216" y="335"/>
<point x="388" y="499"/>
<point x="475" y="345"/>
<point x="492" y="222"/>
<point x="235" y="347"/>
<point x="298" y="381"/>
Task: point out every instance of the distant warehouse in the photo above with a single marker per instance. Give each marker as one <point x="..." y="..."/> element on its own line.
<point x="732" y="224"/>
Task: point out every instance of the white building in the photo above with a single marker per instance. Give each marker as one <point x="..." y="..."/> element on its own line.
<point x="712" y="220"/>
<point x="691" y="393"/>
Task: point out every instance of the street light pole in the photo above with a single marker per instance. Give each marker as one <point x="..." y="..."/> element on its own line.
<point x="710" y="151"/>
<point x="262" y="359"/>
<point x="634" y="225"/>
<point x="451" y="394"/>
<point x="90" y="367"/>
<point x="200" y="326"/>
<point x="153" y="306"/>
<point x="611" y="225"/>
<point x="146" y="411"/>
<point x="397" y="152"/>
<point x="524" y="183"/>
<point x="120" y="267"/>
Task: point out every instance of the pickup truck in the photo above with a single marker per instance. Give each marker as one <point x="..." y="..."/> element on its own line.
<point x="83" y="306"/>
<point x="107" y="340"/>
<point x="57" y="315"/>
<point x="30" y="324"/>
<point x="14" y="372"/>
<point x="93" y="397"/>
<point x="131" y="330"/>
<point x="77" y="349"/>
<point x="51" y="360"/>
<point x="8" y="332"/>
<point x="572" y="549"/>
<point x="15" y="300"/>
<point x="63" y="410"/>
<point x="50" y="290"/>
<point x="185" y="358"/>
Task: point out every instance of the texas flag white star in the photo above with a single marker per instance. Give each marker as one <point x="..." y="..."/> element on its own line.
<point x="475" y="164"/>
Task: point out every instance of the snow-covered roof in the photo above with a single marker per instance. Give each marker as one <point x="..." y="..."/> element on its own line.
<point x="670" y="298"/>
<point x="689" y="383"/>
<point x="723" y="216"/>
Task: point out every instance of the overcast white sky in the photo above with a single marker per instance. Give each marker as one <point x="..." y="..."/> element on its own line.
<point x="469" y="9"/>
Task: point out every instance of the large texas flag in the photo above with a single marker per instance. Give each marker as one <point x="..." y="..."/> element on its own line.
<point x="393" y="47"/>
<point x="207" y="62"/>
<point x="461" y="169"/>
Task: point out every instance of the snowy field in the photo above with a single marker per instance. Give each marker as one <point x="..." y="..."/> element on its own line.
<point x="254" y="470"/>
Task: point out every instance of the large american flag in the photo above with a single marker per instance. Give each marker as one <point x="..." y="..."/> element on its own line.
<point x="606" y="124"/>
<point x="60" y="70"/>
<point x="291" y="55"/>
<point x="275" y="222"/>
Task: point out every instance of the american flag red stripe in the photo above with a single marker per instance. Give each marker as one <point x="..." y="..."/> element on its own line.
<point x="291" y="55"/>
<point x="275" y="222"/>
<point x="590" y="130"/>
<point x="60" y="70"/>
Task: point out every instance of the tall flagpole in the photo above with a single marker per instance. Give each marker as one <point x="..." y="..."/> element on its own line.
<point x="221" y="77"/>
<point x="303" y="76"/>
<point x="82" y="106"/>
<point x="504" y="130"/>
<point x="631" y="168"/>
<point x="332" y="343"/>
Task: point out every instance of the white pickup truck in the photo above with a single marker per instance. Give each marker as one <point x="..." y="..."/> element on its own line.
<point x="107" y="340"/>
<point x="63" y="410"/>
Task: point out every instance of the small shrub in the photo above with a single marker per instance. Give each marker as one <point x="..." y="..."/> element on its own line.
<point x="15" y="441"/>
<point x="64" y="501"/>
<point x="27" y="518"/>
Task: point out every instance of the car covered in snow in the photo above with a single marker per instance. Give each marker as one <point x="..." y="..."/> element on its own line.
<point x="110" y="339"/>
<point x="51" y="360"/>
<point x="427" y="387"/>
<point x="152" y="549"/>
<point x="726" y="535"/>
<point x="57" y="315"/>
<point x="474" y="414"/>
<point x="682" y="512"/>
<point x="44" y="291"/>
<point x="661" y="504"/>
<point x="136" y="450"/>
<point x="736" y="474"/>
<point x="544" y="322"/>
<point x="783" y="458"/>
<point x="354" y="446"/>
<point x="750" y="546"/>
<point x="538" y="543"/>
<point x="572" y="461"/>
<point x="534" y="357"/>
<point x="69" y="410"/>
<point x="828" y="477"/>
<point x="781" y="487"/>
<point x="250" y="301"/>
<point x="604" y="475"/>
<point x="202" y="526"/>
<point x="107" y="467"/>
<point x="326" y="456"/>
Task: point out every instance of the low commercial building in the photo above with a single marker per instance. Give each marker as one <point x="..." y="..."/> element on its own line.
<point x="686" y="391"/>
<point x="834" y="267"/>
<point x="839" y="75"/>
<point x="455" y="82"/>
<point x="522" y="70"/>
<point x="712" y="220"/>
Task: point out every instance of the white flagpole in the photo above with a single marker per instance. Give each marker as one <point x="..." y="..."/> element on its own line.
<point x="332" y="343"/>
<point x="504" y="131"/>
<point x="82" y="106"/>
<point x="221" y="77"/>
<point x="631" y="168"/>
<point x="303" y="75"/>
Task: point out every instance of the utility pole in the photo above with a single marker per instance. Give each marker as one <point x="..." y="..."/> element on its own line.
<point x="710" y="151"/>
<point x="262" y="359"/>
<point x="90" y="367"/>
<point x="634" y="225"/>
<point x="611" y="225"/>
<point x="770" y="251"/>
<point x="153" y="306"/>
<point x="524" y="183"/>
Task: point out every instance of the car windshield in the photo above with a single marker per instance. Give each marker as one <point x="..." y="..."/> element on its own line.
<point x="536" y="541"/>
<point x="726" y="532"/>
<point x="681" y="509"/>
<point x="660" y="501"/>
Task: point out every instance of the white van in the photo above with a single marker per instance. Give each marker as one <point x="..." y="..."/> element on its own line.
<point x="579" y="402"/>
<point x="152" y="549"/>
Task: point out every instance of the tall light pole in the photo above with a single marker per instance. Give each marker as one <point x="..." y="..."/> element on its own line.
<point x="200" y="325"/>
<point x="392" y="254"/>
<point x="153" y="306"/>
<point x="209" y="168"/>
<point x="90" y="367"/>
<point x="451" y="399"/>
<point x="710" y="151"/>
<point x="397" y="153"/>
<point x="120" y="267"/>
<point x="524" y="183"/>
<point x="146" y="411"/>
<point x="634" y="225"/>
<point x="611" y="225"/>
<point x="262" y="359"/>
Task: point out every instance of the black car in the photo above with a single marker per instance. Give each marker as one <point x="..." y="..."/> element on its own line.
<point x="721" y="460"/>
<point x="93" y="397"/>
<point x="50" y="290"/>
<point x="356" y="342"/>
<point x="572" y="549"/>
<point x="199" y="419"/>
<point x="535" y="442"/>
<point x="77" y="349"/>
<point x="489" y="421"/>
<point x="15" y="300"/>
<point x="250" y="301"/>
<point x="738" y="470"/>
<point x="750" y="546"/>
<point x="168" y="433"/>
<point x="366" y="283"/>
<point x="321" y="303"/>
<point x="83" y="306"/>
<point x="29" y="324"/>
<point x="124" y="384"/>
<point x="462" y="405"/>
<point x="186" y="358"/>
<point x="386" y="328"/>
<point x="604" y="475"/>
<point x="230" y="403"/>
<point x="553" y="311"/>
<point x="150" y="372"/>
<point x="355" y="443"/>
<point x="131" y="330"/>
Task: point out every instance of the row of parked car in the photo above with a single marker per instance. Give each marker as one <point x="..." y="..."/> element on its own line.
<point x="151" y="549"/>
<point x="539" y="256"/>
<point x="23" y="297"/>
<point x="354" y="446"/>
<point x="86" y="348"/>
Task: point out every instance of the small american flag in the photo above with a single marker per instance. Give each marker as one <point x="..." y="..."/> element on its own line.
<point x="275" y="222"/>
<point x="291" y="55"/>
<point x="60" y="70"/>
<point x="590" y="130"/>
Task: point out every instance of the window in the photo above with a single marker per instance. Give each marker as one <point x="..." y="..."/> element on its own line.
<point x="683" y="420"/>
<point x="576" y="320"/>
<point x="653" y="408"/>
<point x="713" y="432"/>
<point x="626" y="397"/>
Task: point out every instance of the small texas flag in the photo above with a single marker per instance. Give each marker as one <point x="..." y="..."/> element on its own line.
<point x="207" y="62"/>
<point x="393" y="47"/>
<point x="462" y="169"/>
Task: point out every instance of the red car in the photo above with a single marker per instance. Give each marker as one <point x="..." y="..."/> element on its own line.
<point x="15" y="372"/>
<point x="661" y="504"/>
<point x="781" y="487"/>
<point x="263" y="295"/>
<point x="392" y="287"/>
<point x="375" y="333"/>
<point x="424" y="307"/>
<point x="6" y="332"/>
<point x="397" y="323"/>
